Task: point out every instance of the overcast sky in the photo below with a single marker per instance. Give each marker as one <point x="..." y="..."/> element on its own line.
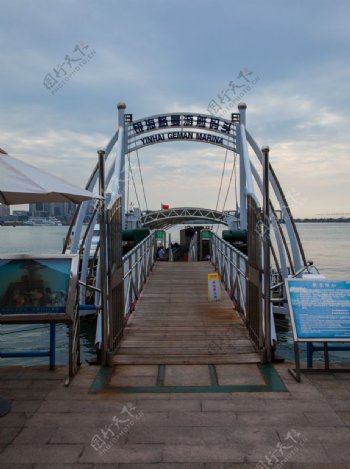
<point x="163" y="56"/>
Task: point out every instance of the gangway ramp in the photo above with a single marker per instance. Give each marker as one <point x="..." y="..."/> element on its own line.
<point x="174" y="323"/>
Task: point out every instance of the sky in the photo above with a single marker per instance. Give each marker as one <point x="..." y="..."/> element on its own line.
<point x="160" y="57"/>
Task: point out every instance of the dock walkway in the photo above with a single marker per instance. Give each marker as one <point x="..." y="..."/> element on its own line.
<point x="174" y="323"/>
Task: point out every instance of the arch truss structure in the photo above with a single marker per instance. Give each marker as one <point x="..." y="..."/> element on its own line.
<point x="164" y="218"/>
<point x="231" y="134"/>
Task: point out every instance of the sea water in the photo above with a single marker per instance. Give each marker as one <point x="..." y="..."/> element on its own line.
<point x="326" y="244"/>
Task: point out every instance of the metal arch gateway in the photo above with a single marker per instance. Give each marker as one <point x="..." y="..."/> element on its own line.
<point x="164" y="218"/>
<point x="233" y="135"/>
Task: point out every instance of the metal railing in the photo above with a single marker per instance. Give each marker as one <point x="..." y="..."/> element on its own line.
<point x="237" y="276"/>
<point x="232" y="266"/>
<point x="137" y="265"/>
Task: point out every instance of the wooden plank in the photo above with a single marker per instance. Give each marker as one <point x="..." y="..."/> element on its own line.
<point x="175" y="324"/>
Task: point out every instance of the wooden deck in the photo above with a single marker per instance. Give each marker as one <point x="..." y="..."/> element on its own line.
<point x="175" y="324"/>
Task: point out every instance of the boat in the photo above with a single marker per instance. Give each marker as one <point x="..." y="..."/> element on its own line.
<point x="41" y="221"/>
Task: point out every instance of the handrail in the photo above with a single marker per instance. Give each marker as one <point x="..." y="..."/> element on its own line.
<point x="232" y="266"/>
<point x="137" y="265"/>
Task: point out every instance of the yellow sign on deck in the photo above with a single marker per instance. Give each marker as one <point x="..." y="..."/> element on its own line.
<point x="214" y="287"/>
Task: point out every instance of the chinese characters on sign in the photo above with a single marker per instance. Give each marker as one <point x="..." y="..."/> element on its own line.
<point x="102" y="441"/>
<point x="214" y="288"/>
<point x="193" y="127"/>
<point x="69" y="66"/>
<point x="320" y="310"/>
<point x="228" y="98"/>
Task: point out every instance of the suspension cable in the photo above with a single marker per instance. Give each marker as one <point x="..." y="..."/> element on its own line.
<point x="143" y="187"/>
<point x="128" y="189"/>
<point x="236" y="195"/>
<point x="133" y="181"/>
<point x="229" y="184"/>
<point x="222" y="178"/>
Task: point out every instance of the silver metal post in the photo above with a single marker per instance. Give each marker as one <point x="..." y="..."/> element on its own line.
<point x="103" y="258"/>
<point x="242" y="107"/>
<point x="266" y="250"/>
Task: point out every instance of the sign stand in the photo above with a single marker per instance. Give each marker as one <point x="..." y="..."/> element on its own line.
<point x="320" y="312"/>
<point x="38" y="290"/>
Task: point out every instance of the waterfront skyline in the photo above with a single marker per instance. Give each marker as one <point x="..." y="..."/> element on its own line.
<point x="159" y="58"/>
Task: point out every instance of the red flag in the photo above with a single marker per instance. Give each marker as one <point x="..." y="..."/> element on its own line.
<point x="164" y="206"/>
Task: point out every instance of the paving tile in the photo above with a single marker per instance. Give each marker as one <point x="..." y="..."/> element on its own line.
<point x="41" y="453"/>
<point x="120" y="381"/>
<point x="185" y="453"/>
<point x="28" y="407"/>
<point x="309" y="453"/>
<point x="198" y="419"/>
<point x="319" y="433"/>
<point x="233" y="405"/>
<point x="131" y="454"/>
<point x="16" y="395"/>
<point x="135" y="370"/>
<point x="337" y="452"/>
<point x="8" y="434"/>
<point x="83" y="406"/>
<point x="290" y="405"/>
<point x="339" y="404"/>
<point x="271" y="418"/>
<point x="324" y="419"/>
<point x="187" y="375"/>
<point x="221" y="436"/>
<point x="228" y="465"/>
<point x="201" y="395"/>
<point x="162" y="466"/>
<point x="79" y="436"/>
<point x="38" y="437"/>
<point x="319" y="466"/>
<point x="72" y="420"/>
<point x="16" y="466"/>
<point x="239" y="375"/>
<point x="15" y="384"/>
<point x="13" y="420"/>
<point x="169" y="405"/>
<point x="345" y="417"/>
<point x="68" y="466"/>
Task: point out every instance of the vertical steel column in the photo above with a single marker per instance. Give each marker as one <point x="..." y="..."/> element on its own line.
<point x="103" y="258"/>
<point x="266" y="250"/>
<point x="52" y="345"/>
<point x="242" y="174"/>
<point x="121" y="123"/>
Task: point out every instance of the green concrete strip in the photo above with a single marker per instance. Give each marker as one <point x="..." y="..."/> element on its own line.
<point x="213" y="375"/>
<point x="102" y="379"/>
<point x="161" y="375"/>
<point x="271" y="378"/>
<point x="270" y="375"/>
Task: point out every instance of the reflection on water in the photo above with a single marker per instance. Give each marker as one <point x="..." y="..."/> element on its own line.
<point x="328" y="245"/>
<point x="285" y="345"/>
<point x="26" y="337"/>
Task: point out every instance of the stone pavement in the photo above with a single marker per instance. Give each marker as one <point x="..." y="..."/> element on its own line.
<point x="51" y="426"/>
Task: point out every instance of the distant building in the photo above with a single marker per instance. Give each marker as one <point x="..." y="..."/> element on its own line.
<point x="62" y="210"/>
<point x="4" y="210"/>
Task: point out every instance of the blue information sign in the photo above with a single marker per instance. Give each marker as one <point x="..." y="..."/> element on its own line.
<point x="320" y="309"/>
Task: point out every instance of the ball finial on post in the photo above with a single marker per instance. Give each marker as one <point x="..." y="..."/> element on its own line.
<point x="242" y="107"/>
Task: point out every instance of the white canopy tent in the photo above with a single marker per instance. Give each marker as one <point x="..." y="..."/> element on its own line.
<point x="22" y="183"/>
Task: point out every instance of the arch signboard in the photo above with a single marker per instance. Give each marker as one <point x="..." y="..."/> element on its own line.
<point x="187" y="127"/>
